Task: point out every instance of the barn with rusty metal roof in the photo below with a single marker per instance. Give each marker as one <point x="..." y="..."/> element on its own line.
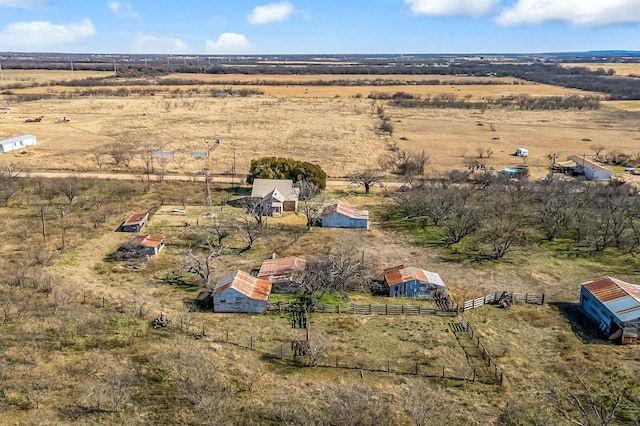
<point x="242" y="293"/>
<point x="614" y="305"/>
<point x="285" y="273"/>
<point x="407" y="281"/>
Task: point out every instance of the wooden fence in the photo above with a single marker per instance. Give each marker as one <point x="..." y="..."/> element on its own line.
<point x="534" y="299"/>
<point x="371" y="309"/>
<point x="497" y="373"/>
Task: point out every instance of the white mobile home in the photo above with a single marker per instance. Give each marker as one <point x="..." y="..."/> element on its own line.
<point x="522" y="152"/>
<point x="17" y="143"/>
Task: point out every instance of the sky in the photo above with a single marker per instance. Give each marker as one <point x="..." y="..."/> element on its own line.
<point x="318" y="26"/>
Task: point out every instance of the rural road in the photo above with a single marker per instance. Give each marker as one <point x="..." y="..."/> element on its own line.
<point x="172" y="177"/>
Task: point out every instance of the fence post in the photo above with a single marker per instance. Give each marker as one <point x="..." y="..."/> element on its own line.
<point x="474" y="374"/>
<point x="370" y="308"/>
<point x="337" y="359"/>
<point x="353" y="306"/>
<point x="103" y="301"/>
<point x="386" y="309"/>
<point x="402" y="309"/>
<point x="416" y="368"/>
<point x="280" y="351"/>
<point x="251" y="342"/>
<point x="227" y="339"/>
<point x="203" y="333"/>
<point x="419" y="310"/>
<point x="388" y="367"/>
<point x="542" y="302"/>
<point x="338" y="308"/>
<point x="443" y="371"/>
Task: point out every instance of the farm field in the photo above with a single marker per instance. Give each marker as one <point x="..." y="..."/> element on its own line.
<point x="78" y="346"/>
<point x="321" y="124"/>
<point x="620" y="68"/>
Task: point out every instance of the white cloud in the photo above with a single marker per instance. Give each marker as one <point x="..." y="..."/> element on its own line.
<point x="473" y="8"/>
<point x="22" y="4"/>
<point x="147" y="43"/>
<point x="43" y="35"/>
<point x="230" y="43"/>
<point x="272" y="12"/>
<point x="123" y="9"/>
<point x="579" y="12"/>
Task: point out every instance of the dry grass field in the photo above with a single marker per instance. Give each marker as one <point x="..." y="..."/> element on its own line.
<point x="620" y="69"/>
<point x="62" y="346"/>
<point x="320" y="124"/>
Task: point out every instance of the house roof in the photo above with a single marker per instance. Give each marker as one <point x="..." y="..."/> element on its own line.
<point x="282" y="269"/>
<point x="252" y="287"/>
<point x="402" y="274"/>
<point x="619" y="297"/>
<point x="263" y="187"/>
<point x="346" y="210"/>
<point x="136" y="218"/>
<point x="586" y="163"/>
<point x="276" y="195"/>
<point x="16" y="139"/>
<point x="146" y="241"/>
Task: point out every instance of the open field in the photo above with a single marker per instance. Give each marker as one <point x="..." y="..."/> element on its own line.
<point x="77" y="344"/>
<point x="305" y="122"/>
<point x="619" y="68"/>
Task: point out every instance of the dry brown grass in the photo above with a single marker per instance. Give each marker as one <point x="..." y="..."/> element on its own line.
<point x="620" y="69"/>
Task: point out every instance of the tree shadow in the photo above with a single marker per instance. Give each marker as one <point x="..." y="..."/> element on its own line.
<point x="582" y="325"/>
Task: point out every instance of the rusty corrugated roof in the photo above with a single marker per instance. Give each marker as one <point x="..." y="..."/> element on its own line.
<point x="283" y="269"/>
<point x="401" y="274"/>
<point x="147" y="240"/>
<point x="252" y="287"/>
<point x="346" y="210"/>
<point x="619" y="297"/>
<point x="136" y="218"/>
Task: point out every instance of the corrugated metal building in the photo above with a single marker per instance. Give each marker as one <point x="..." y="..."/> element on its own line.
<point x="341" y="215"/>
<point x="135" y="223"/>
<point x="614" y="305"/>
<point x="285" y="273"/>
<point x="239" y="292"/>
<point x="590" y="169"/>
<point x="413" y="282"/>
<point x="17" y="143"/>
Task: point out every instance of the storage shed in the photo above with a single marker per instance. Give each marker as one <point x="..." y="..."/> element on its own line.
<point x="413" y="282"/>
<point x="615" y="307"/>
<point x="142" y="246"/>
<point x="241" y="293"/>
<point x="341" y="215"/>
<point x="285" y="273"/>
<point x="590" y="169"/>
<point x="135" y="223"/>
<point x="17" y="143"/>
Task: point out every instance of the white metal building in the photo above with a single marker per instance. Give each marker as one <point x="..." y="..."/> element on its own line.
<point x="17" y="143"/>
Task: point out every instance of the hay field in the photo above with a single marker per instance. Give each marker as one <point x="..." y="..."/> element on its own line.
<point x="27" y="77"/>
<point x="620" y="69"/>
<point x="451" y="136"/>
<point x="326" y="125"/>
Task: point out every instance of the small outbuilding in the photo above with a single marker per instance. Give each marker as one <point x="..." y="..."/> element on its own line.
<point x="522" y="152"/>
<point x="590" y="169"/>
<point x="17" y="143"/>
<point x="135" y="223"/>
<point x="615" y="306"/>
<point x="278" y="195"/>
<point x="341" y="215"/>
<point x="285" y="273"/>
<point x="141" y="246"/>
<point x="240" y="292"/>
<point x="413" y="282"/>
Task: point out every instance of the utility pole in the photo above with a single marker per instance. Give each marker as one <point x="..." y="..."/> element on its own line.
<point x="233" y="169"/>
<point x="72" y="70"/>
<point x="44" y="226"/>
<point x="1" y="78"/>
<point x="115" y="69"/>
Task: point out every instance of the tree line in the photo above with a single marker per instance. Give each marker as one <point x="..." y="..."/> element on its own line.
<point x="495" y="215"/>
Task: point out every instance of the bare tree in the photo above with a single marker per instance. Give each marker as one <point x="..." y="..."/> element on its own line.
<point x="366" y="178"/>
<point x="425" y="404"/>
<point x="250" y="230"/>
<point x="202" y="266"/>
<point x="597" y="149"/>
<point x="69" y="188"/>
<point x="502" y="236"/>
<point x="99" y="158"/>
<point x="255" y="208"/>
<point x="122" y="153"/>
<point x="310" y="203"/>
<point x="357" y="405"/>
<point x="118" y="386"/>
<point x="314" y="348"/>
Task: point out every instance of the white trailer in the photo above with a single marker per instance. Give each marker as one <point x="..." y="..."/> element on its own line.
<point x="522" y="152"/>
<point x="17" y="143"/>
